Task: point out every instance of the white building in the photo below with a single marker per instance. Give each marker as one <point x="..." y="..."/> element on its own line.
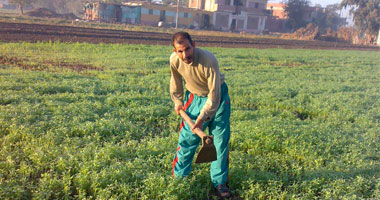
<point x="235" y="15"/>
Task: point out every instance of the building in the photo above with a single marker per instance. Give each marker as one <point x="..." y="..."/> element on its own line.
<point x="235" y="15"/>
<point x="277" y="10"/>
<point x="146" y="13"/>
<point x="4" y="4"/>
<point x="152" y="14"/>
<point x="276" y="18"/>
<point x="114" y="13"/>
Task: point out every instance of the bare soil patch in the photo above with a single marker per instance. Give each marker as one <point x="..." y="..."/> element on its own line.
<point x="23" y="63"/>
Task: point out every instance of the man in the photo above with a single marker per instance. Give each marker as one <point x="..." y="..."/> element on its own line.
<point x="206" y="102"/>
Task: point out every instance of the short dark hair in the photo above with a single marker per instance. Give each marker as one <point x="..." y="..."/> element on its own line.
<point x="180" y="37"/>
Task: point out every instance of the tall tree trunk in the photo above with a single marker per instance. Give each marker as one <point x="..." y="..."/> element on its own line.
<point x="21" y="8"/>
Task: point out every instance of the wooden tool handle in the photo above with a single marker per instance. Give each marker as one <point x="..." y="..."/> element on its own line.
<point x="197" y="131"/>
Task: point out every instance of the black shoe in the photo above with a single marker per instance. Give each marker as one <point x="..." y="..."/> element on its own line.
<point x="223" y="191"/>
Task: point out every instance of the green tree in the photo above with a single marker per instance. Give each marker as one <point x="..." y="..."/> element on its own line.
<point x="366" y="14"/>
<point x="21" y="4"/>
<point x="295" y="10"/>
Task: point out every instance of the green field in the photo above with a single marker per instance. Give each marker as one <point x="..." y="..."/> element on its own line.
<point x="86" y="121"/>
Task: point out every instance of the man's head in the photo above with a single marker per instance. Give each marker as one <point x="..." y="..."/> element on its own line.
<point x="184" y="46"/>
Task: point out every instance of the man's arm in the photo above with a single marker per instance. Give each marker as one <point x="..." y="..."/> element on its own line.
<point x="176" y="88"/>
<point x="212" y="104"/>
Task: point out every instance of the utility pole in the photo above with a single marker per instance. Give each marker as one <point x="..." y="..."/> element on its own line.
<point x="176" y="17"/>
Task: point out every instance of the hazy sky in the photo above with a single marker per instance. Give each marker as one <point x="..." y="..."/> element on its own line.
<point x="313" y="2"/>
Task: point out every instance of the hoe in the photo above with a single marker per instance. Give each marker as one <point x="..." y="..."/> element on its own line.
<point x="207" y="153"/>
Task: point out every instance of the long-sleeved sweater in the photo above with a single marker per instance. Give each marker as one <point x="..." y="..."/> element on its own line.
<point x="202" y="77"/>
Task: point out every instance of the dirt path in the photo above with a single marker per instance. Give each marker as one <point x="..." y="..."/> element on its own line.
<point x="38" y="32"/>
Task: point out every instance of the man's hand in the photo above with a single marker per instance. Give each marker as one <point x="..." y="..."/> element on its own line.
<point x="177" y="108"/>
<point x="198" y="124"/>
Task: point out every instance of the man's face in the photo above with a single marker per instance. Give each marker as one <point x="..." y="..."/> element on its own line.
<point x="185" y="51"/>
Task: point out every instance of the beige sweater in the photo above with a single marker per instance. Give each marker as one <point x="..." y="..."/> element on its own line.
<point x="202" y="77"/>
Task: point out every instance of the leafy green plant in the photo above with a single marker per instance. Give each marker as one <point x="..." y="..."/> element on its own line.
<point x="304" y="123"/>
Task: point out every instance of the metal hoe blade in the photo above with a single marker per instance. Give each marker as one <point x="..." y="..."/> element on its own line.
<point x="207" y="153"/>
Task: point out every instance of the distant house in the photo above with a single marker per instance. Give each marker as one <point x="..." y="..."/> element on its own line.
<point x="277" y="10"/>
<point x="4" y="4"/>
<point x="152" y="14"/>
<point x="276" y="18"/>
<point x="235" y="15"/>
<point x="146" y="13"/>
<point x="114" y="13"/>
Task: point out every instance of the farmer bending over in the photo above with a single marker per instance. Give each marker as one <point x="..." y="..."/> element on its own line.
<point x="206" y="102"/>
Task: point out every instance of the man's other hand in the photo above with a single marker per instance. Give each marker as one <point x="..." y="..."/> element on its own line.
<point x="177" y="108"/>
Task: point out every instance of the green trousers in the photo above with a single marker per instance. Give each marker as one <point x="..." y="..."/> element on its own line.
<point x="219" y="127"/>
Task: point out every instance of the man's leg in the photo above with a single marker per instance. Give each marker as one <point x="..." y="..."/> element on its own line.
<point x="220" y="129"/>
<point x="187" y="143"/>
